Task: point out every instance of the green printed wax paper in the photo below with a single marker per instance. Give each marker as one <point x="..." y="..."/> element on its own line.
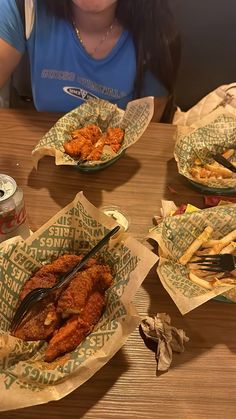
<point x="25" y="378"/>
<point x="212" y="134"/>
<point x="134" y="120"/>
<point x="174" y="235"/>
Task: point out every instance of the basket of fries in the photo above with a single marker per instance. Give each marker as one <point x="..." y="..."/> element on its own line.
<point x="66" y="339"/>
<point x="96" y="134"/>
<point x="182" y="239"/>
<point x="196" y="146"/>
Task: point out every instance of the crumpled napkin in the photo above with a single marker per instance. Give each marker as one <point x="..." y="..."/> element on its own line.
<point x="167" y="337"/>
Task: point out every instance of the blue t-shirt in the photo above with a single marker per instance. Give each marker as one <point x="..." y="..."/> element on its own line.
<point x="63" y="75"/>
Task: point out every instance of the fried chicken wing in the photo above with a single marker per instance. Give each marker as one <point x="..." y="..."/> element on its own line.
<point x="91" y="132"/>
<point x="115" y="134"/>
<point x="83" y="141"/>
<point x="114" y="138"/>
<point x="115" y="146"/>
<point x="71" y="334"/>
<point x="74" y="298"/>
<point x="87" y="143"/>
<point x="96" y="152"/>
<point x="78" y="147"/>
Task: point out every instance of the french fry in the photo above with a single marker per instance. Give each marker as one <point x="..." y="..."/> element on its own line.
<point x="212" y="170"/>
<point x="224" y="282"/>
<point x="230" y="248"/>
<point x="228" y="153"/>
<point x="212" y="282"/>
<point x="199" y="281"/>
<point x="195" y="245"/>
<point x="217" y="248"/>
<point x="206" y="279"/>
<point x="205" y="274"/>
<point x="226" y="239"/>
<point x="219" y="171"/>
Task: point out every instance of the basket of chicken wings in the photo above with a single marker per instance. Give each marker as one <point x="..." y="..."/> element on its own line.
<point x="96" y="134"/>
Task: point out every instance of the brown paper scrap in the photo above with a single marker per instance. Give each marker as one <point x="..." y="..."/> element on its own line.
<point x="169" y="339"/>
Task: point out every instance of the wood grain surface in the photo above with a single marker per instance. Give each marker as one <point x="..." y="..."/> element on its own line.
<point x="201" y="382"/>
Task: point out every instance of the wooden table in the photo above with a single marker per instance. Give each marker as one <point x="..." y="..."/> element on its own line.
<point x="201" y="382"/>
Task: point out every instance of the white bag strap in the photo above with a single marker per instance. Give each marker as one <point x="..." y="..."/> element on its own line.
<point x="29" y="17"/>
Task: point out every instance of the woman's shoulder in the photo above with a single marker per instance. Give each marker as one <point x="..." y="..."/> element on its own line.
<point x="8" y="9"/>
<point x="11" y="27"/>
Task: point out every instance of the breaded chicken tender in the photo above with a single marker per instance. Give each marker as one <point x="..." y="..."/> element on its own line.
<point x="71" y="334"/>
<point x="42" y="321"/>
<point x="48" y="274"/>
<point x="60" y="266"/>
<point x="85" y="296"/>
<point x="93" y="309"/>
<point x="38" y="281"/>
<point x="74" y="298"/>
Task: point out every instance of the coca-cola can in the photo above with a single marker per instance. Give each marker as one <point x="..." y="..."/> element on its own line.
<point x="12" y="210"/>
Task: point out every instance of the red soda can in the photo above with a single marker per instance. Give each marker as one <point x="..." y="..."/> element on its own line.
<point x="12" y="210"/>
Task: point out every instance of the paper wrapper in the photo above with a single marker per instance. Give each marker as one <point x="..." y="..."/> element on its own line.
<point x="134" y="120"/>
<point x="216" y="132"/>
<point x="169" y="339"/>
<point x="174" y="235"/>
<point x="25" y="378"/>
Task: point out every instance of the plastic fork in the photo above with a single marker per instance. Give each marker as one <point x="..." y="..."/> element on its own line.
<point x="217" y="263"/>
<point x="39" y="293"/>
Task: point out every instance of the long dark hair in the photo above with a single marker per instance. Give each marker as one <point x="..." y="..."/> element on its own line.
<point x="155" y="36"/>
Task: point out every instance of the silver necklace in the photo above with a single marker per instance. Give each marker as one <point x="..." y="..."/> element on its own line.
<point x="102" y="40"/>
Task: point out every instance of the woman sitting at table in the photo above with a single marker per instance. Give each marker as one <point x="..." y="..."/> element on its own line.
<point x="116" y="50"/>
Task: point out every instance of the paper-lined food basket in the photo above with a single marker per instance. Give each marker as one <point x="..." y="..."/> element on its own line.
<point x="134" y="121"/>
<point x="26" y="379"/>
<point x="213" y="133"/>
<point x="174" y="235"/>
